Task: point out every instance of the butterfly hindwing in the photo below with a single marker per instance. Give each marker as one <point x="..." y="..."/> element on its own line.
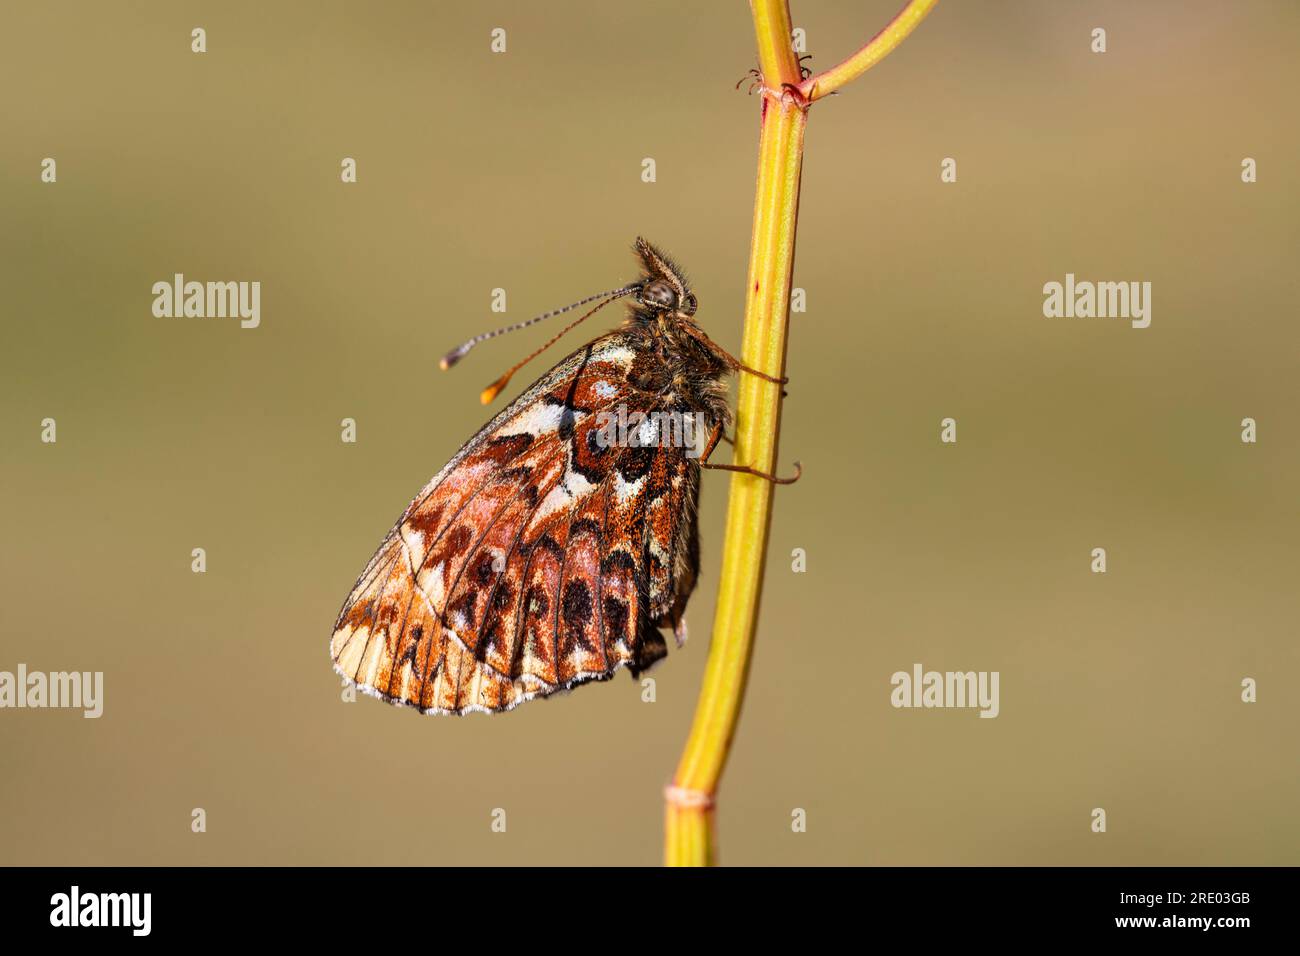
<point x="537" y="559"/>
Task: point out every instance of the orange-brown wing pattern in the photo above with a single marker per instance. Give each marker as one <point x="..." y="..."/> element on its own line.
<point x="536" y="560"/>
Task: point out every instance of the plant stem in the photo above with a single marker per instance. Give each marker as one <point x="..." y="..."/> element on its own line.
<point x="689" y="814"/>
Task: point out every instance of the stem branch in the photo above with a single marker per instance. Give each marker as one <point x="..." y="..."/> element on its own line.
<point x="875" y="50"/>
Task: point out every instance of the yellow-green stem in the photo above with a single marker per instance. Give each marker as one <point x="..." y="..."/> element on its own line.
<point x="689" y="820"/>
<point x="689" y="816"/>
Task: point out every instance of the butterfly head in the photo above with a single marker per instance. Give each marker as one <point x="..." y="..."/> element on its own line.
<point x="662" y="288"/>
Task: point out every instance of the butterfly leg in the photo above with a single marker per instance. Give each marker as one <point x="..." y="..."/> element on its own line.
<point x="740" y="366"/>
<point x="732" y="362"/>
<point x="744" y="469"/>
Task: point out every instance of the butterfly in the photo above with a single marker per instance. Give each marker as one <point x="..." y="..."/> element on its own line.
<point x="554" y="546"/>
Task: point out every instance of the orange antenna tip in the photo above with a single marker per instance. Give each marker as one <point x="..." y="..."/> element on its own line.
<point x="493" y="390"/>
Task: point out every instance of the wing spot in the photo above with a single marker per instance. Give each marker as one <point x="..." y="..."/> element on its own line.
<point x="616" y="617"/>
<point x="577" y="612"/>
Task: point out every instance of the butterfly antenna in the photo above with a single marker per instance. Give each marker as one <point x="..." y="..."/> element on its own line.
<point x="460" y="351"/>
<point x="495" y="388"/>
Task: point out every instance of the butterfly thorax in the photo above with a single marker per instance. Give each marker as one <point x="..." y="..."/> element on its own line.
<point x="678" y="363"/>
<point x="682" y="361"/>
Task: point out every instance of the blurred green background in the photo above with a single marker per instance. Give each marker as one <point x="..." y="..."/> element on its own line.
<point x="522" y="171"/>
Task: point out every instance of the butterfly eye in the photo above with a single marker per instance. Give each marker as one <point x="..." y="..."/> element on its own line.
<point x="658" y="295"/>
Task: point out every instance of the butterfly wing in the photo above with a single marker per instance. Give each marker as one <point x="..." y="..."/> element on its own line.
<point x="539" y="558"/>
